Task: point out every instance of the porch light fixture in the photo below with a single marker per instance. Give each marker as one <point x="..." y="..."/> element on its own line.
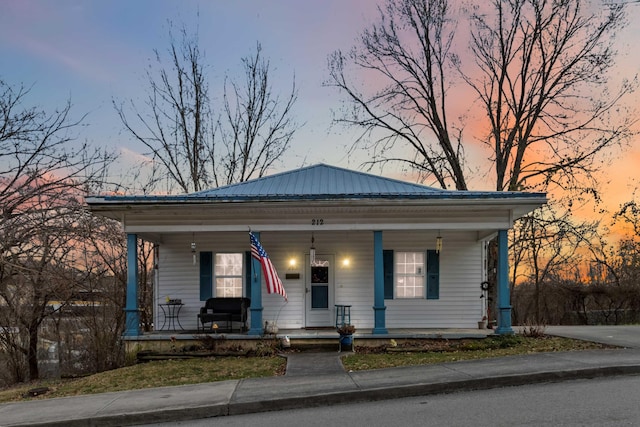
<point x="312" y="251"/>
<point x="438" y="243"/>
<point x="292" y="263"/>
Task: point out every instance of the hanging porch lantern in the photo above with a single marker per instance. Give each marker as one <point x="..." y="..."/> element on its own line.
<point x="438" y="243"/>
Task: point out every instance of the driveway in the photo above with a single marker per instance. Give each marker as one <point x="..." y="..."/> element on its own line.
<point x="622" y="336"/>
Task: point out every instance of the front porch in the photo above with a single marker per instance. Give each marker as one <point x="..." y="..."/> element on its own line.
<point x="410" y="260"/>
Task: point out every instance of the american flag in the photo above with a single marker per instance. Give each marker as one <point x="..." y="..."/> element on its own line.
<point x="274" y="284"/>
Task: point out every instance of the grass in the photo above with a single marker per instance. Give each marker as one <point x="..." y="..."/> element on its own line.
<point x="193" y="371"/>
<point x="440" y="351"/>
<point x="156" y="374"/>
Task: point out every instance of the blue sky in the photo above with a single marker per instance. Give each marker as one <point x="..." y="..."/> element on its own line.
<point x="93" y="52"/>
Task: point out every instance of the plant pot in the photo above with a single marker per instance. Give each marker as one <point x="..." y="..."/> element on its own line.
<point x="346" y="339"/>
<point x="482" y="324"/>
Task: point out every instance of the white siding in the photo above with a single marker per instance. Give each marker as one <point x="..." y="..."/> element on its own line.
<point x="460" y="276"/>
<point x="459" y="305"/>
<point x="178" y="277"/>
<point x="282" y="247"/>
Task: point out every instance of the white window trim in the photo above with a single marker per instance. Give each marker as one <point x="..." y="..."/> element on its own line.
<point x="216" y="276"/>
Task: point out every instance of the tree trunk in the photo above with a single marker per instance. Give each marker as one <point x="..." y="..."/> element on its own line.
<point x="32" y="354"/>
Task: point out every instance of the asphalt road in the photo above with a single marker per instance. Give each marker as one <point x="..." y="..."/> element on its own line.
<point x="597" y="402"/>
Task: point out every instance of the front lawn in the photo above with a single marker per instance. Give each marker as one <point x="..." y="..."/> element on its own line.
<point x="439" y="351"/>
<point x="200" y="370"/>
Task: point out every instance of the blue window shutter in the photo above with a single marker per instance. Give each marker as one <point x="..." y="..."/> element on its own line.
<point x="206" y="275"/>
<point x="247" y="274"/>
<point x="387" y="262"/>
<point x="433" y="274"/>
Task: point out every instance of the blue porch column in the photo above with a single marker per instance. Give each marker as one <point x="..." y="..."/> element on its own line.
<point x="132" y="325"/>
<point x="504" y="301"/>
<point x="378" y="286"/>
<point x="256" y="295"/>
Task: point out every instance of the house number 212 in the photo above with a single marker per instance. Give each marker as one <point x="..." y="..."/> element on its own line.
<point x="317" y="221"/>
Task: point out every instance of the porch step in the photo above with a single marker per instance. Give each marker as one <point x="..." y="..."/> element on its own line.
<point x="318" y="344"/>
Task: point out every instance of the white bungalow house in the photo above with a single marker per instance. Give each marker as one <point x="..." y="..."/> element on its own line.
<point x="401" y="255"/>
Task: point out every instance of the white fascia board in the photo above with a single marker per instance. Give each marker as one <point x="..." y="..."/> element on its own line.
<point x="515" y="210"/>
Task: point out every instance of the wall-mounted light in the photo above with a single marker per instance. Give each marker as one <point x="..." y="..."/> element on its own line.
<point x="193" y="251"/>
<point x="438" y="243"/>
<point x="292" y="263"/>
<point x="346" y="262"/>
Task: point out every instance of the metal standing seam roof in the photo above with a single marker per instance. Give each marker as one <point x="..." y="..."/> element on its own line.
<point x="318" y="180"/>
<point x="322" y="182"/>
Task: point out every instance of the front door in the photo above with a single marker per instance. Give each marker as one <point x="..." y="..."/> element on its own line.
<point x="319" y="292"/>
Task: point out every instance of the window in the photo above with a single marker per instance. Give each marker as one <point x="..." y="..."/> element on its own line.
<point x="407" y="275"/>
<point x="410" y="275"/>
<point x="228" y="278"/>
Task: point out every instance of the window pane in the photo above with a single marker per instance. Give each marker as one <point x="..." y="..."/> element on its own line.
<point x="228" y="265"/>
<point x="410" y="275"/>
<point x="228" y="287"/>
<point x="319" y="296"/>
<point x="228" y="275"/>
<point x="319" y="274"/>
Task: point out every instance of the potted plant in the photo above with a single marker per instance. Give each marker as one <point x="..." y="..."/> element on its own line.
<point x="346" y="333"/>
<point x="270" y="328"/>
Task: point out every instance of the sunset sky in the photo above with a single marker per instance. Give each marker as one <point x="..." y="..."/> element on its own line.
<point x="93" y="52"/>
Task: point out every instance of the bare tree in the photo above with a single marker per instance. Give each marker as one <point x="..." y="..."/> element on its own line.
<point x="629" y="214"/>
<point x="543" y="84"/>
<point x="539" y="69"/>
<point x="257" y="126"/>
<point x="103" y="267"/>
<point x="547" y="249"/>
<point x="192" y="147"/>
<point x="43" y="177"/>
<point x="36" y="279"/>
<point x="408" y="54"/>
<point x="177" y="124"/>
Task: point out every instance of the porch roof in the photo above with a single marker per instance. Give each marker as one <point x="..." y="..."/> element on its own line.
<point x="318" y="182"/>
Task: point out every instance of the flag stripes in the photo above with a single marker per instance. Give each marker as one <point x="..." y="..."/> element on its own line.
<point x="274" y="284"/>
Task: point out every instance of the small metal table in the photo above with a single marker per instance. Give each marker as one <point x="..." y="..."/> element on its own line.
<point x="171" y="313"/>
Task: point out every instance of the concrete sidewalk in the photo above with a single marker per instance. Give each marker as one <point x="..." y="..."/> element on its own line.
<point x="327" y="385"/>
<point x="619" y="335"/>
